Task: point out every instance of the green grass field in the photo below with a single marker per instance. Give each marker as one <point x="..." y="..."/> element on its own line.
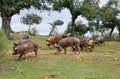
<point x="102" y="63"/>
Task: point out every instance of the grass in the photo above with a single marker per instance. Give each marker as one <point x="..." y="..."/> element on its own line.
<point x="102" y="63"/>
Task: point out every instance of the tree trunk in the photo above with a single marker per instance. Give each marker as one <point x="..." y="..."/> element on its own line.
<point x="6" y="21"/>
<point x="119" y="32"/>
<point x="29" y="28"/>
<point x="111" y="31"/>
<point x="53" y="27"/>
<point x="73" y="26"/>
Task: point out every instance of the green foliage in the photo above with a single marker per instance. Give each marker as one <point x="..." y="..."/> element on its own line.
<point x="115" y="3"/>
<point x="87" y="8"/>
<point x="33" y="31"/>
<point x="3" y="43"/>
<point x="109" y="15"/>
<point x="11" y="7"/>
<point x="31" y="19"/>
<point x="58" y="22"/>
<point x="8" y="8"/>
<point x="80" y="28"/>
<point x="53" y="26"/>
<point x="89" y="12"/>
<point x="72" y="5"/>
<point x="113" y="37"/>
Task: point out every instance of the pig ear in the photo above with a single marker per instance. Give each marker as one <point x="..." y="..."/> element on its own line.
<point x="15" y="43"/>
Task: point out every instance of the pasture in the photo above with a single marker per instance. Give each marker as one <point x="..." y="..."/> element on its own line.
<point x="102" y="63"/>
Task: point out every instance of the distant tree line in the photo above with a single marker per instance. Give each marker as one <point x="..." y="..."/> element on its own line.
<point x="99" y="18"/>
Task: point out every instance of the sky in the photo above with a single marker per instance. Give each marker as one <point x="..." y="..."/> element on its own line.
<point x="44" y="28"/>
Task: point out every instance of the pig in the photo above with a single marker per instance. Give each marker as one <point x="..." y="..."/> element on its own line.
<point x="52" y="40"/>
<point x="68" y="42"/>
<point x="100" y="40"/>
<point x="84" y="43"/>
<point x="91" y="44"/>
<point x="64" y="36"/>
<point x="21" y="42"/>
<point x="25" y="48"/>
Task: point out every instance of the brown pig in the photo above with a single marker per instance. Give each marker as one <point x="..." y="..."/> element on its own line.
<point x="91" y="44"/>
<point x="25" y="48"/>
<point x="52" y="40"/>
<point x="68" y="42"/>
<point x="21" y="42"/>
<point x="64" y="36"/>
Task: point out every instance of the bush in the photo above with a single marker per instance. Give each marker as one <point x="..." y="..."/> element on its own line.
<point x="114" y="37"/>
<point x="33" y="31"/>
<point x="3" y="43"/>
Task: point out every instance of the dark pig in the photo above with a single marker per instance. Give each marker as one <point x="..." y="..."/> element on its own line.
<point x="25" y="48"/>
<point x="68" y="42"/>
<point x="64" y="36"/>
<point x="84" y="43"/>
<point x="100" y="40"/>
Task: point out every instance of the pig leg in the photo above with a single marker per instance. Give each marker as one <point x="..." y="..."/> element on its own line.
<point x="81" y="47"/>
<point x="76" y="49"/>
<point x="79" y="50"/>
<point x="25" y="56"/>
<point x="35" y="52"/>
<point x="92" y="48"/>
<point x="65" y="51"/>
<point x="20" y="56"/>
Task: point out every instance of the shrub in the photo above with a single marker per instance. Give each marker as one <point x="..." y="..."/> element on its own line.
<point x="3" y="43"/>
<point x="114" y="37"/>
<point x="33" y="31"/>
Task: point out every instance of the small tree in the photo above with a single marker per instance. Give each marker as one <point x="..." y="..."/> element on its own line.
<point x="31" y="19"/>
<point x="80" y="28"/>
<point x="34" y="31"/>
<point x="9" y="8"/>
<point x="86" y="8"/>
<point x="53" y="26"/>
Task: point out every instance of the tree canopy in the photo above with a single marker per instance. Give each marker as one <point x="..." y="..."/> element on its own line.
<point x="31" y="19"/>
<point x="86" y="8"/>
<point x="99" y="18"/>
<point x="54" y="24"/>
<point x="8" y="8"/>
<point x="109" y="15"/>
<point x="80" y="28"/>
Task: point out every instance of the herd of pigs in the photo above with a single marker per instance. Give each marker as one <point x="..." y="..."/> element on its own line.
<point x="27" y="45"/>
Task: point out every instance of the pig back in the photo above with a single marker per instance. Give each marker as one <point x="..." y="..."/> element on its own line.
<point x="69" y="41"/>
<point x="22" y="42"/>
<point x="54" y="38"/>
<point x="27" y="47"/>
<point x="100" y="39"/>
